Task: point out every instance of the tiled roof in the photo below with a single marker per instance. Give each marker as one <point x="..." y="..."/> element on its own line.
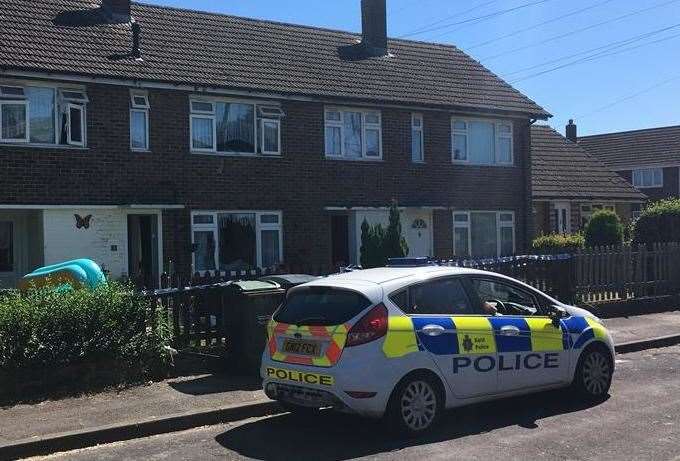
<point x="630" y="149"/>
<point x="561" y="169"/>
<point x="205" y="49"/>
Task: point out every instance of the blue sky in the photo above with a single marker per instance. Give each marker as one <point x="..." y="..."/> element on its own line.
<point x="646" y="72"/>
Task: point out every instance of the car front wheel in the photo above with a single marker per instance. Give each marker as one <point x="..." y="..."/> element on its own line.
<point x="415" y="406"/>
<point x="594" y="373"/>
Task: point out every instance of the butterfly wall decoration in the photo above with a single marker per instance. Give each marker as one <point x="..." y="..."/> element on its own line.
<point x="83" y="223"/>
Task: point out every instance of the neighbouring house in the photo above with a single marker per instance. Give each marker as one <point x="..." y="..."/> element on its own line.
<point x="148" y="137"/>
<point x="648" y="159"/>
<point x="569" y="184"/>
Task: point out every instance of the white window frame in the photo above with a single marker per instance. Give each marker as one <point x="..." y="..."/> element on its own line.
<point x="202" y="115"/>
<point x="498" y="135"/>
<point x="61" y="104"/>
<point x="259" y="227"/>
<point x="16" y="102"/>
<point x="420" y="129"/>
<point x="145" y="112"/>
<point x="365" y="126"/>
<point x="142" y="109"/>
<point x="278" y="142"/>
<point x="69" y="134"/>
<point x="267" y="106"/>
<point x="499" y="226"/>
<point x="638" y="173"/>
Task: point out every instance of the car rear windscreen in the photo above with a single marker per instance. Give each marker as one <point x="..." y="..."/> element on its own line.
<point x="321" y="306"/>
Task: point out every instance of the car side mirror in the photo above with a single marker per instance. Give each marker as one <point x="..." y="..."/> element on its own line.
<point x="557" y="313"/>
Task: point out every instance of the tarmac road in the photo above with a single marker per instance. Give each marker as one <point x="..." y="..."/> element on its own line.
<point x="640" y="420"/>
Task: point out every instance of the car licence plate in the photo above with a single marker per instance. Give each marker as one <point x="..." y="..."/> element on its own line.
<point x="291" y="346"/>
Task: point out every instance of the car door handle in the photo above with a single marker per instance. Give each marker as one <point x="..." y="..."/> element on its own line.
<point x="509" y="330"/>
<point x="433" y="330"/>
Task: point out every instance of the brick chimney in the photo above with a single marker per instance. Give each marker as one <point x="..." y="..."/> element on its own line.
<point x="571" y="131"/>
<point x="374" y="27"/>
<point x="117" y="10"/>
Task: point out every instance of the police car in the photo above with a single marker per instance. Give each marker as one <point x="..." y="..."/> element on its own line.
<point x="408" y="342"/>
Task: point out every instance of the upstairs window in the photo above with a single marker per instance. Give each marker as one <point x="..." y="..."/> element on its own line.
<point x="139" y="121"/>
<point x="417" y="141"/>
<point x="42" y="115"/>
<point x="225" y="127"/>
<point x="649" y="177"/>
<point x="480" y="142"/>
<point x="353" y="134"/>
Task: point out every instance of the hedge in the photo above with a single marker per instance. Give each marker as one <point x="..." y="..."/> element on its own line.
<point x="558" y="243"/>
<point x="604" y="229"/>
<point x="112" y="324"/>
<point x="658" y="223"/>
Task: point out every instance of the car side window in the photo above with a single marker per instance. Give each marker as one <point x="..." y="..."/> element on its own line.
<point x="444" y="296"/>
<point x="505" y="298"/>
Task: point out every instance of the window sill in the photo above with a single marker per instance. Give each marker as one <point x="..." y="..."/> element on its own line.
<point x="418" y="162"/>
<point x="648" y="187"/>
<point x="234" y="154"/>
<point x="358" y="160"/>
<point x="43" y="146"/>
<point x="495" y="165"/>
<point x="141" y="151"/>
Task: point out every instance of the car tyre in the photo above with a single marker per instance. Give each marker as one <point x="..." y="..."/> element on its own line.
<point x="415" y="406"/>
<point x="594" y="373"/>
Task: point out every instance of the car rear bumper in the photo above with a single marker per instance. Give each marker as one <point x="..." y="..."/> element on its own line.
<point x="318" y="387"/>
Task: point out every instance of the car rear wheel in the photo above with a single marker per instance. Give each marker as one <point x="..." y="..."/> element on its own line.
<point x="415" y="406"/>
<point x="594" y="373"/>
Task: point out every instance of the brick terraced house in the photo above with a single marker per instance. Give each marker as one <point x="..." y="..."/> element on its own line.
<point x="569" y="185"/>
<point x="140" y="135"/>
<point x="649" y="159"/>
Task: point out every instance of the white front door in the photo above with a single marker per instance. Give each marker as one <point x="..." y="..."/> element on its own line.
<point x="417" y="227"/>
<point x="562" y="218"/>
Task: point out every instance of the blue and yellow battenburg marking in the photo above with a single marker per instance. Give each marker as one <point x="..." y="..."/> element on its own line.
<point x="476" y="335"/>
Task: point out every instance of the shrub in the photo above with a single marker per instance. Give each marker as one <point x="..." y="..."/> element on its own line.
<point x="658" y="223"/>
<point x="378" y="244"/>
<point x="46" y="329"/>
<point x="394" y="245"/>
<point x="604" y="229"/>
<point x="558" y="243"/>
<point x="371" y="245"/>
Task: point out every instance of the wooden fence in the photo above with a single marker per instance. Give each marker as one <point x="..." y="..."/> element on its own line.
<point x="622" y="273"/>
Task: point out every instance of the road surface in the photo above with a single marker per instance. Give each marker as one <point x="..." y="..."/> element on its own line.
<point x="640" y="420"/>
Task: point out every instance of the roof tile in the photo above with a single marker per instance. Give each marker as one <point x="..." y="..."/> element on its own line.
<point x="190" y="47"/>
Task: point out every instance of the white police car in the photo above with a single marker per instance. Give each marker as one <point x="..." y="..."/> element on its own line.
<point x="407" y="342"/>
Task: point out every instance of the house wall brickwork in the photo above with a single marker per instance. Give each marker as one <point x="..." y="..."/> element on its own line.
<point x="301" y="183"/>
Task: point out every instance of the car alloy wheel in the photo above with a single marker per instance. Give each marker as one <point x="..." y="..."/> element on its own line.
<point x="596" y="373"/>
<point x="418" y="405"/>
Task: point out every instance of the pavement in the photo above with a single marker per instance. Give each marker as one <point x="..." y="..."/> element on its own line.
<point x="156" y="400"/>
<point x="640" y="420"/>
<point x="642" y="327"/>
<point x="187" y="402"/>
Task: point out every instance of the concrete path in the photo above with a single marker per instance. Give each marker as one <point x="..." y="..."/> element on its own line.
<point x="136" y="404"/>
<point x="640" y="420"/>
<point x="642" y="327"/>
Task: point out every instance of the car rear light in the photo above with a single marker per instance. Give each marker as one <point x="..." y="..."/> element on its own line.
<point x="370" y="327"/>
